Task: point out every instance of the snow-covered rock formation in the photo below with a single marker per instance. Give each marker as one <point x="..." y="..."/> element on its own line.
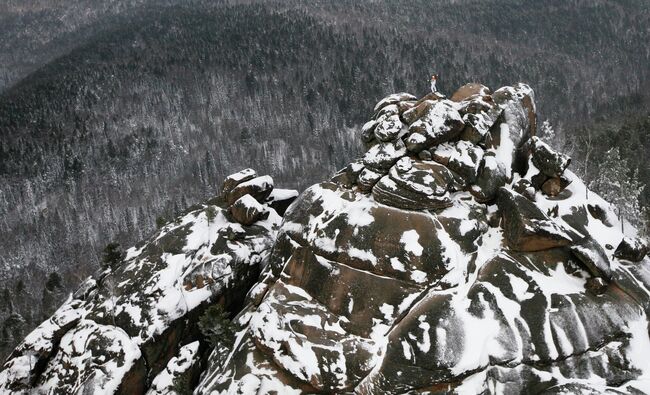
<point x="458" y="255"/>
<point x="134" y="326"/>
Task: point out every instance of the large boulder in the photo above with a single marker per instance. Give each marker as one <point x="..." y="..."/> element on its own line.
<point x="527" y="228"/>
<point x="259" y="187"/>
<point x="631" y="249"/>
<point x="246" y="210"/>
<point x="388" y="128"/>
<point x="550" y="162"/>
<point x="237" y="178"/>
<point x="421" y="186"/>
<point x="384" y="155"/>
<point x="440" y="122"/>
<point x="393" y="99"/>
<point x="519" y="111"/>
<point x="468" y="90"/>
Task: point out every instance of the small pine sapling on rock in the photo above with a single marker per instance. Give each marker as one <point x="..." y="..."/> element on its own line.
<point x="217" y="327"/>
<point x="160" y="222"/>
<point x="210" y="213"/>
<point x="112" y="255"/>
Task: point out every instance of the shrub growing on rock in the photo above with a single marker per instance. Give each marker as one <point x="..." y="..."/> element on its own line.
<point x="217" y="327"/>
<point x="112" y="255"/>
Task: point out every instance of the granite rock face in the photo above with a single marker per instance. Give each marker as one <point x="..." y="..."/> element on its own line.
<point x="457" y="255"/>
<point x="133" y="328"/>
<point x="430" y="273"/>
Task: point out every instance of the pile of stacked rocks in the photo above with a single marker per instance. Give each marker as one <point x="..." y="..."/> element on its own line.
<point x="422" y="150"/>
<point x="248" y="194"/>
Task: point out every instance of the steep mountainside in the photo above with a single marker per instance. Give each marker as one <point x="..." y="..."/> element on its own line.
<point x="457" y="255"/>
<point x="129" y="110"/>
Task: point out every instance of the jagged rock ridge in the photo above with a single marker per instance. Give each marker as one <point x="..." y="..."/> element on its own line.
<point x="457" y="255"/>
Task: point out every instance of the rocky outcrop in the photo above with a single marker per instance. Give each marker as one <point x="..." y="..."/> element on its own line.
<point x="445" y="264"/>
<point x="458" y="255"/>
<point x="632" y="249"/>
<point x="133" y="328"/>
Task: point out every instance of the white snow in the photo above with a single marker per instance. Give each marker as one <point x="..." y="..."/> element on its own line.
<point x="505" y="151"/>
<point x="558" y="282"/>
<point x="425" y="344"/>
<point x="418" y="276"/>
<point x="164" y="381"/>
<point x="366" y="255"/>
<point x="410" y="240"/>
<point x="396" y="264"/>
<point x="519" y="288"/>
<point x="283" y="194"/>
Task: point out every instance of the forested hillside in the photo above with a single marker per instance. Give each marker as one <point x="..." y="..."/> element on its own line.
<point x="135" y="111"/>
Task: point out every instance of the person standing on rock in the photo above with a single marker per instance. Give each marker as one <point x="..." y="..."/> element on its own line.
<point x="434" y="78"/>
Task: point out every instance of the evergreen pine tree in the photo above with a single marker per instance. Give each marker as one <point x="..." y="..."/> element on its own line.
<point x="217" y="327"/>
<point x="620" y="186"/>
<point x="52" y="294"/>
<point x="112" y="255"/>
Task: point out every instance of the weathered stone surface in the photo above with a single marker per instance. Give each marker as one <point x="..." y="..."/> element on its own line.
<point x="246" y="210"/>
<point x="388" y="128"/>
<point x="552" y="186"/>
<point x="393" y="99"/>
<point x="387" y="111"/>
<point x="440" y="122"/>
<point x="421" y="186"/>
<point x="352" y="229"/>
<point x="478" y="126"/>
<point x="551" y="163"/>
<point x="465" y="222"/>
<point x="388" y="192"/>
<point x="596" y="285"/>
<point x="425" y="155"/>
<point x="468" y="90"/>
<point x="417" y="111"/>
<point x="593" y="256"/>
<point x="368" y="131"/>
<point x="631" y="249"/>
<point x="424" y="348"/>
<point x="404" y="106"/>
<point x="367" y="179"/>
<point x="526" y="227"/>
<point x="492" y="175"/>
<point x="384" y="155"/>
<point x="237" y="178"/>
<point x="518" y="103"/>
<point x="464" y="159"/>
<point x="259" y="187"/>
<point x="433" y="96"/>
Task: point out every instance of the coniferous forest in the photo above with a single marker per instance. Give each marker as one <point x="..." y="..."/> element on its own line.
<point x="114" y="117"/>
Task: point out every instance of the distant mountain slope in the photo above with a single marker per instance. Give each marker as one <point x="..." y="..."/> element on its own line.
<point x="34" y="32"/>
<point x="145" y="108"/>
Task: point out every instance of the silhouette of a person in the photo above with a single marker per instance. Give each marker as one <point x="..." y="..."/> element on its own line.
<point x="434" y="78"/>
